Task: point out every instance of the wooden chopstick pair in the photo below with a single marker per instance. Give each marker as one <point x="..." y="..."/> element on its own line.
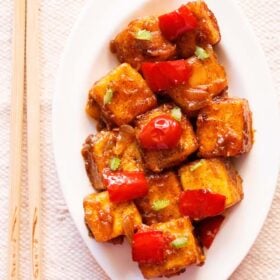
<point x="25" y="44"/>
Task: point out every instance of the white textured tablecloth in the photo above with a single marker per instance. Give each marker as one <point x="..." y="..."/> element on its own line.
<point x="65" y="255"/>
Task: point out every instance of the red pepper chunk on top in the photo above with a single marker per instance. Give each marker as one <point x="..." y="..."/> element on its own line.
<point x="166" y="74"/>
<point x="161" y="133"/>
<point x="199" y="204"/>
<point x="148" y="247"/>
<point x="174" y="24"/>
<point x="124" y="185"/>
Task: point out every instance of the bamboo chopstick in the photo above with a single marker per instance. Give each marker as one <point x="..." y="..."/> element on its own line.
<point x="33" y="138"/>
<point x="16" y="136"/>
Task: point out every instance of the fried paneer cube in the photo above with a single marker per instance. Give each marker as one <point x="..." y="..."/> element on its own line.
<point x="107" y="220"/>
<point x="161" y="202"/>
<point x="178" y="257"/>
<point x="208" y="79"/>
<point x="157" y="160"/>
<point x="224" y="128"/>
<point x="142" y="41"/>
<point x="101" y="148"/>
<point x="120" y="96"/>
<point x="207" y="31"/>
<point x="215" y="175"/>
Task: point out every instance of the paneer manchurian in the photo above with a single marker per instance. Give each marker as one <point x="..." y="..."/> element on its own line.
<point x="161" y="161"/>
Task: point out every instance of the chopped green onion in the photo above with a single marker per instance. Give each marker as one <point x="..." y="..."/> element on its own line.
<point x="176" y="113"/>
<point x="197" y="165"/>
<point x="160" y="204"/>
<point x="143" y="34"/>
<point x="114" y="163"/>
<point x="180" y="242"/>
<point x="201" y="53"/>
<point x="108" y="96"/>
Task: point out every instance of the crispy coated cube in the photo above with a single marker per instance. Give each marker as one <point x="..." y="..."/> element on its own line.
<point x="215" y="175"/>
<point x="99" y="149"/>
<point x="224" y="128"/>
<point x="121" y="96"/>
<point x="177" y="259"/>
<point x="131" y="49"/>
<point x="208" y="79"/>
<point x="207" y="31"/>
<point x="163" y="188"/>
<point x="107" y="220"/>
<point x="157" y="160"/>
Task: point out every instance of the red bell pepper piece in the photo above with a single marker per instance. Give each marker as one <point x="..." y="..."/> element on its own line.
<point x="148" y="247"/>
<point x="166" y="74"/>
<point x="199" y="204"/>
<point x="161" y="133"/>
<point x="207" y="229"/>
<point x="174" y="24"/>
<point x="124" y="186"/>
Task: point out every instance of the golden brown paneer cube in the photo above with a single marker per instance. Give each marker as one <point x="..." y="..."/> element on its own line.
<point x="157" y="160"/>
<point x="101" y="149"/>
<point x="207" y="31"/>
<point x="142" y="41"/>
<point x="224" y="128"/>
<point x="161" y="202"/>
<point x="183" y="249"/>
<point x="120" y="96"/>
<point x="107" y="220"/>
<point x="215" y="175"/>
<point x="208" y="79"/>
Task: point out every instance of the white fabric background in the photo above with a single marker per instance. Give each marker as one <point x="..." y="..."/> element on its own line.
<point x="65" y="255"/>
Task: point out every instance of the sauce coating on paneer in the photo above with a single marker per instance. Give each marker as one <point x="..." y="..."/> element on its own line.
<point x="157" y="160"/>
<point x="142" y="41"/>
<point x="224" y="128"/>
<point x="207" y="31"/>
<point x="181" y="249"/>
<point x="161" y="202"/>
<point x="215" y="175"/>
<point x="121" y="96"/>
<point x="101" y="149"/>
<point x="107" y="220"/>
<point x="208" y="79"/>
